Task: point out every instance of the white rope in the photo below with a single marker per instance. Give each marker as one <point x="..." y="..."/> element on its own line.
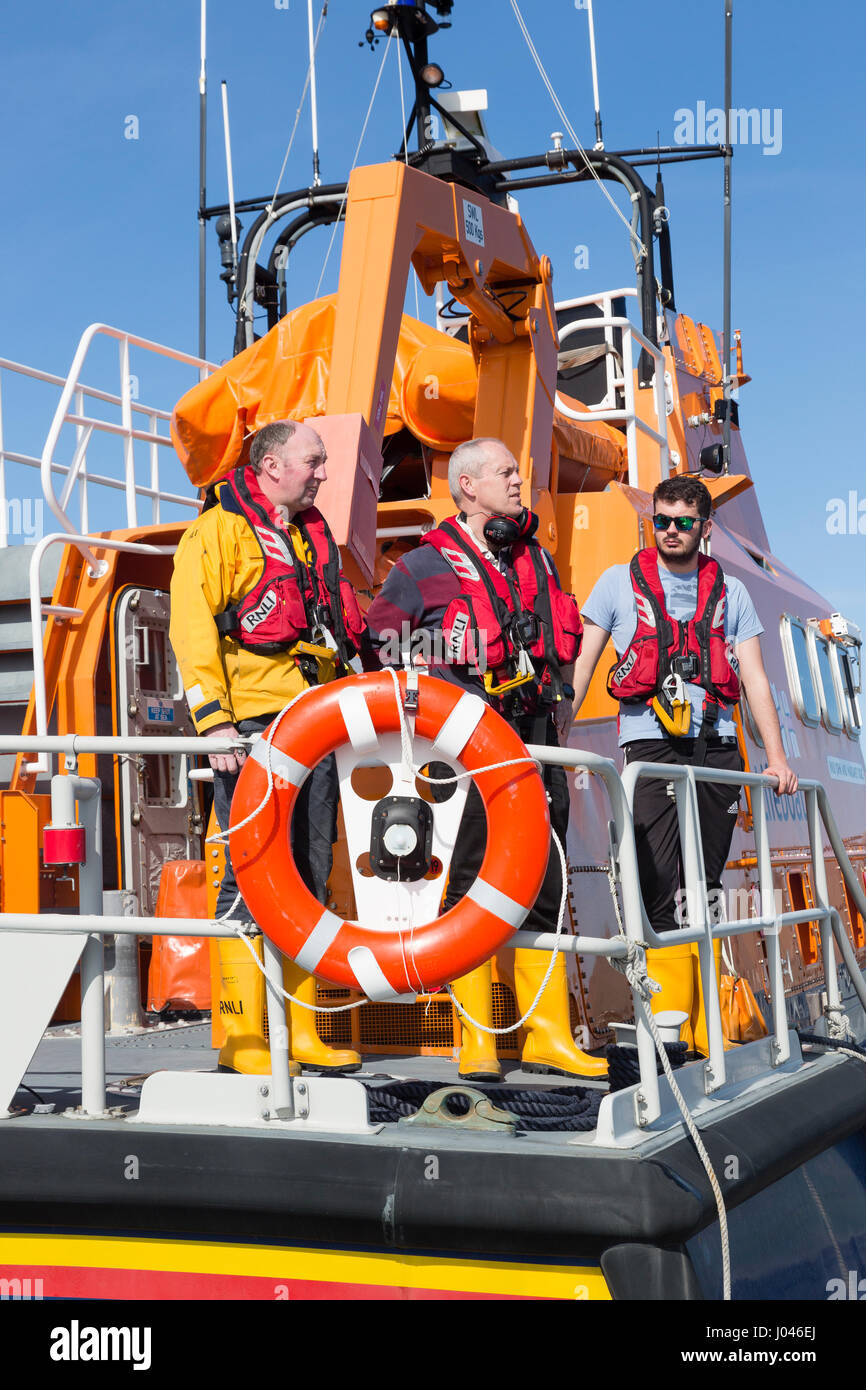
<point x="322" y="17"/>
<point x="567" y="123"/>
<point x="410" y="771"/>
<point x="832" y="1047"/>
<point x="642" y="988"/>
<point x="554" y="953"/>
<point x="386" y="51"/>
<point x="221" y="837"/>
<point x="293" y="998"/>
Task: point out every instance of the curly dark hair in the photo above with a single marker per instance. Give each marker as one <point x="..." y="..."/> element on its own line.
<point x="689" y="490"/>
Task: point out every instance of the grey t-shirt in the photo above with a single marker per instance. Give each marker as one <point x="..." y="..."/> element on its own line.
<point x="611" y="606"/>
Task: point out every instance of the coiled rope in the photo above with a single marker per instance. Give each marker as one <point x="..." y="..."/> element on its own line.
<point x="566" y="1108"/>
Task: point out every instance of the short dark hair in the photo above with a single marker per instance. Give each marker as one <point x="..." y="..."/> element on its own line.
<point x="683" y="488"/>
<point x="268" y="438"/>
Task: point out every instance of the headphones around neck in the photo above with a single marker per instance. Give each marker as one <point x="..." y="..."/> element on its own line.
<point x="502" y="531"/>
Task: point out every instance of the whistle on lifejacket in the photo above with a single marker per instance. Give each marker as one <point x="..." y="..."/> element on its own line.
<point x="672" y="707"/>
<point x="499" y="682"/>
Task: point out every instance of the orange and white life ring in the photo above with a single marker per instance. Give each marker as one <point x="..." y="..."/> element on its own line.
<point x="372" y="956"/>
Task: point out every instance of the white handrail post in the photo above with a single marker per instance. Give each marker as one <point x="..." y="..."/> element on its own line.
<point x="630" y="428"/>
<point x="662" y="417"/>
<point x="128" y="442"/>
<point x="781" y="1046"/>
<point x="698" y="916"/>
<point x="648" y="1098"/>
<point x="87" y="791"/>
<point x="83" y="515"/>
<point x="154" y="472"/>
<point x="278" y="1033"/>
<point x="4" y="514"/>
<point x="822" y="898"/>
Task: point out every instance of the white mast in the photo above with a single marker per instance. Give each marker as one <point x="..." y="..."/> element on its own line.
<point x="314" y="110"/>
<point x="230" y="177"/>
<point x="599" y="141"/>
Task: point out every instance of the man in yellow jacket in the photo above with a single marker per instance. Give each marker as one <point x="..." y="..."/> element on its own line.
<point x="260" y="610"/>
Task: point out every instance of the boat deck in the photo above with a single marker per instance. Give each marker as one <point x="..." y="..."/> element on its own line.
<point x="54" y="1074"/>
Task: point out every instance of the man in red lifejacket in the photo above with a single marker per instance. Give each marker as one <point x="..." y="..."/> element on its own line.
<point x="686" y="637"/>
<point x="260" y="610"/>
<point x="486" y="597"/>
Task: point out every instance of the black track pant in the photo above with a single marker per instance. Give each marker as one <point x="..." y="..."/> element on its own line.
<point x="472" y="837"/>
<point x="314" y="824"/>
<point x="656" y="826"/>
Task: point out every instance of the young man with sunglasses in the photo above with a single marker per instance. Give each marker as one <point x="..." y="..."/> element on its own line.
<point x="677" y="677"/>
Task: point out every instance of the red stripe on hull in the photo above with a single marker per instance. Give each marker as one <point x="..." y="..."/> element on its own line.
<point x="63" y="1281"/>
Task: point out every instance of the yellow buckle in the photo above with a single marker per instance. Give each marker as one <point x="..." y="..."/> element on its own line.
<point x="310" y="649"/>
<point x="678" y="721"/>
<point x="520" y="679"/>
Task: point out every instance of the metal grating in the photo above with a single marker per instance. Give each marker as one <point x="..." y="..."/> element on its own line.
<point x="335" y="1029"/>
<point x="504" y="1015"/>
<point x="427" y="1025"/>
<point x="430" y="1026"/>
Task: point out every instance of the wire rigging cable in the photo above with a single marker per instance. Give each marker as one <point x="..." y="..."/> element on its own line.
<point x="406" y="156"/>
<point x="560" y="110"/>
<point x="322" y="18"/>
<point x="386" y="51"/>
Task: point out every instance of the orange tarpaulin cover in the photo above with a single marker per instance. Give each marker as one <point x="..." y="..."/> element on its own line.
<point x="284" y="376"/>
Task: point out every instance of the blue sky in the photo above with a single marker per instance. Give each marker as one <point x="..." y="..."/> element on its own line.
<point x="98" y="226"/>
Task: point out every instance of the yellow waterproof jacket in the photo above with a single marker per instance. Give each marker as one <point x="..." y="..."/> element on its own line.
<point x="218" y="562"/>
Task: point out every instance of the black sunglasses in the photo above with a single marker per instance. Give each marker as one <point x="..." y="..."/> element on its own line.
<point x="682" y="523"/>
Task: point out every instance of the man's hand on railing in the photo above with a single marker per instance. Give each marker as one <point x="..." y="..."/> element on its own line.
<point x="787" y="777"/>
<point x="226" y="762"/>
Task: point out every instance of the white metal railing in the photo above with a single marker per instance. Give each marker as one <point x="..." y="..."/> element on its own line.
<point x="606" y="410"/>
<point x="700" y="927"/>
<point x="629" y="945"/>
<point x="139" y="422"/>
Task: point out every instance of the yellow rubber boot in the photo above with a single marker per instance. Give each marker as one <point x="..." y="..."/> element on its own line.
<point x="698" y="1013"/>
<point x="305" y="1045"/>
<point x="478" y="1059"/>
<point x="549" y="1045"/>
<point x="672" y="967"/>
<point x="241" y="1009"/>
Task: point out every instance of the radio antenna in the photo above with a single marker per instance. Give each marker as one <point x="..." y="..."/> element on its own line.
<point x="726" y="310"/>
<point x="314" y="110"/>
<point x="230" y="178"/>
<point x="202" y="198"/>
<point x="599" y="139"/>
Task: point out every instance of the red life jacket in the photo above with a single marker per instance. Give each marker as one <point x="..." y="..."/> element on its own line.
<point x="697" y="649"/>
<point x="292" y="600"/>
<point x="497" y="615"/>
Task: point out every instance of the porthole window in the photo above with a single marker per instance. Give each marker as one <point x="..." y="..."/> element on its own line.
<point x="801" y="681"/>
<point x="825" y="682"/>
